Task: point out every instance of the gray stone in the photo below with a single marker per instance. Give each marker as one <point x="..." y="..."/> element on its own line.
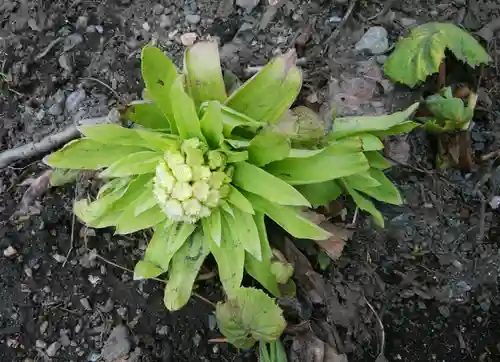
<point x="65" y="63"/>
<point x="65" y="341"/>
<point x="165" y="21"/>
<point x="193" y="19"/>
<point x="82" y="22"/>
<point x="374" y="40"/>
<point x="40" y="344"/>
<point x="74" y="100"/>
<point x="53" y="349"/>
<point x="158" y="9"/>
<point x="117" y="345"/>
<point x="85" y="303"/>
<point x="408" y="22"/>
<point x="55" y="110"/>
<point x="248" y="5"/>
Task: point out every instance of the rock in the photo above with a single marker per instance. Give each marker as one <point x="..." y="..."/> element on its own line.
<point x="59" y="258"/>
<point x="40" y="344"/>
<point x="188" y="39"/>
<point x="248" y="5"/>
<point x="193" y="19"/>
<point x="117" y="345"/>
<point x="55" y="110"/>
<point x="74" y="100"/>
<point x="146" y="26"/>
<point x="53" y="348"/>
<point x="82" y="22"/>
<point x="158" y="9"/>
<point x="9" y="252"/>
<point x="85" y="303"/>
<point x="163" y="330"/>
<point x="374" y="40"/>
<point x="43" y="327"/>
<point x="444" y="310"/>
<point x="72" y="41"/>
<point x="408" y="22"/>
<point x="65" y="341"/>
<point x="165" y="21"/>
<point x="65" y="63"/>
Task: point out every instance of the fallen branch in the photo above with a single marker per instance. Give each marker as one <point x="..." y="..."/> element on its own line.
<point x="45" y="145"/>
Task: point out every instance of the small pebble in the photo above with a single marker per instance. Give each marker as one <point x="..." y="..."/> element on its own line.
<point x="53" y="348"/>
<point x="43" y="327"/>
<point x="165" y="21"/>
<point x="146" y="26"/>
<point x="59" y="258"/>
<point x="9" y="252"/>
<point x="188" y="39"/>
<point x="82" y="22"/>
<point x="40" y="344"/>
<point x="99" y="29"/>
<point x="65" y="341"/>
<point x="193" y="19"/>
<point x="158" y="9"/>
<point x="85" y="303"/>
<point x="163" y="330"/>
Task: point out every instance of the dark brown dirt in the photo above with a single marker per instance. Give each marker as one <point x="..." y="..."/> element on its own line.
<point x="432" y="275"/>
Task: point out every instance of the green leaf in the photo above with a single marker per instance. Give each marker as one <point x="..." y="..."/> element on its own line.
<point x="243" y="227"/>
<point x="268" y="146"/>
<point x="203" y="73"/>
<point x="249" y="316"/>
<point x="88" y="154"/>
<point x="302" y="153"/>
<point x="260" y="270"/>
<point x="275" y="353"/>
<point x="146" y="270"/>
<point x="113" y="134"/>
<point x="269" y="93"/>
<point x="254" y="179"/>
<point x="347" y="126"/>
<point x="230" y="257"/>
<point x="159" y="74"/>
<point x="365" y="204"/>
<point x="330" y="164"/>
<point x="211" y="124"/>
<point x="212" y="226"/>
<point x="361" y="180"/>
<point x="419" y="54"/>
<point x="386" y="191"/>
<point x="167" y="239"/>
<point x="235" y="156"/>
<point x="237" y="199"/>
<point x="184" y="268"/>
<point x="146" y="114"/>
<point x="186" y="117"/>
<point x="401" y="128"/>
<point x="289" y="218"/>
<point x="129" y="222"/>
<point x="233" y="121"/>
<point x="63" y="176"/>
<point x="134" y="164"/>
<point x="377" y="160"/>
<point x="321" y="193"/>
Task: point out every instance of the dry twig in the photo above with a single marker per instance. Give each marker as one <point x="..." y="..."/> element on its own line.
<point x="381" y="355"/>
<point x="337" y="30"/>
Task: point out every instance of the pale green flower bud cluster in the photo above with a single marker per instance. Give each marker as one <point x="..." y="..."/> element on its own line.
<point x="191" y="182"/>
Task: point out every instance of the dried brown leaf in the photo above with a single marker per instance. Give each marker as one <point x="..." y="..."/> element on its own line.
<point x="36" y="189"/>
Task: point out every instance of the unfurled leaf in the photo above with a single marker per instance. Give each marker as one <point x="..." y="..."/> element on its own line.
<point x="212" y="226"/>
<point x="420" y="54"/>
<point x="327" y="165"/>
<point x="90" y="155"/>
<point x="145" y="270"/>
<point x="320" y="193"/>
<point x="243" y="227"/>
<point x="203" y="73"/>
<point x="186" y="117"/>
<point x="211" y="124"/>
<point x="348" y="126"/>
<point x="234" y="157"/>
<point x="146" y="114"/>
<point x="129" y="222"/>
<point x="376" y="160"/>
<point x="249" y="316"/>
<point x="268" y="146"/>
<point x="134" y="164"/>
<point x="254" y="179"/>
<point x="269" y="93"/>
<point x="230" y="257"/>
<point x="167" y="239"/>
<point x="114" y="134"/>
<point x="303" y="153"/>
<point x="184" y="268"/>
<point x="361" y="179"/>
<point x="159" y="74"/>
<point x="289" y="218"/>
<point x="63" y="176"/>
<point x="260" y="270"/>
<point x="385" y="192"/>
<point x="233" y="121"/>
<point x="398" y="129"/>
<point x="237" y="199"/>
<point x="365" y="204"/>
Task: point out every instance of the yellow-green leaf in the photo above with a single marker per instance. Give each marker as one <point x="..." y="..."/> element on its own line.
<point x="377" y="160"/>
<point x="256" y="180"/>
<point x="88" y="154"/>
<point x="184" y="268"/>
<point x="289" y="218"/>
<point x="146" y="270"/>
<point x="243" y="227"/>
<point x="159" y="74"/>
<point x="146" y="114"/>
<point x="420" y="53"/>
<point x="321" y="193"/>
<point x="211" y="124"/>
<point x="237" y="199"/>
<point x="269" y="93"/>
<point x="249" y="316"/>
<point x="268" y="146"/>
<point x="134" y="164"/>
<point x="361" y="179"/>
<point x="186" y="117"/>
<point x="212" y="226"/>
<point x="386" y="191"/>
<point x="327" y="165"/>
<point x="365" y="204"/>
<point x="129" y="223"/>
<point x="203" y="73"/>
